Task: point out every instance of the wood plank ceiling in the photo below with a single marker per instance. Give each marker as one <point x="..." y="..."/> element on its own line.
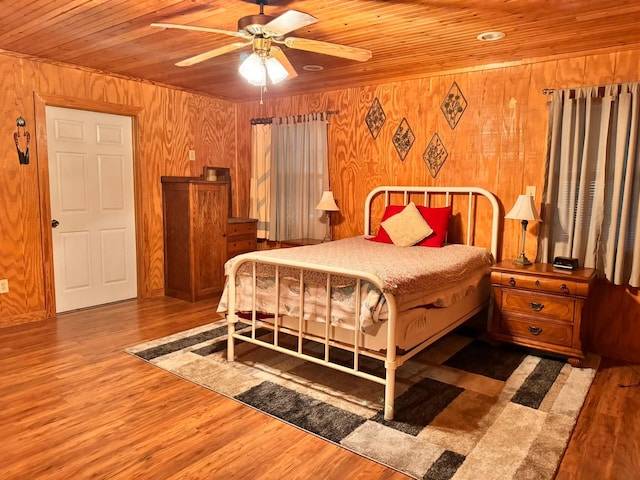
<point x="407" y="38"/>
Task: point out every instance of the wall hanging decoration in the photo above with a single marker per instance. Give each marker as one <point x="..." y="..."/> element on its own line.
<point x="23" y="156"/>
<point x="454" y="105"/>
<point x="375" y="118"/>
<point x="435" y="155"/>
<point x="403" y="139"/>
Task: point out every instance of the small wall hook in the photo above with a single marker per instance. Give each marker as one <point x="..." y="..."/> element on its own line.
<point x="23" y="156"/>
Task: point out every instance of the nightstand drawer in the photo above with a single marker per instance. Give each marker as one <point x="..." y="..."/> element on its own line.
<point x="543" y="284"/>
<point x="236" y="246"/>
<point x="242" y="228"/>
<point x="536" y="330"/>
<point x="537" y="305"/>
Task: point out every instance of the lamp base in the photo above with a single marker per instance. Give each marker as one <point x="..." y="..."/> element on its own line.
<point x="327" y="235"/>
<point x="522" y="260"/>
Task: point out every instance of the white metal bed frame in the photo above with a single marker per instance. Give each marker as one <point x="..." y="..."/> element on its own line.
<point x="392" y="360"/>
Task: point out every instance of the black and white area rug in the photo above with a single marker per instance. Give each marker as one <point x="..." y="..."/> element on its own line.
<point x="464" y="409"/>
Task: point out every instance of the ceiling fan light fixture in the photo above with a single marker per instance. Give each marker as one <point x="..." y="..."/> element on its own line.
<point x="276" y="70"/>
<point x="254" y="70"/>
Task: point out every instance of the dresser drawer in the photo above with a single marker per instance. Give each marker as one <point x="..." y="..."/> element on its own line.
<point x="542" y="284"/>
<point x="537" y="305"/>
<point x="536" y="330"/>
<point x="242" y="228"/>
<point x="236" y="246"/>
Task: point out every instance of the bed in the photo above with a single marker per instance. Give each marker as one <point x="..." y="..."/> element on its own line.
<point x="366" y="295"/>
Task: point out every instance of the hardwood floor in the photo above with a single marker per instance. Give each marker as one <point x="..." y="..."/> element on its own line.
<point x="74" y="405"/>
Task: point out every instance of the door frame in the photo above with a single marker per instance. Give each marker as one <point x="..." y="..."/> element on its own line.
<point x="42" y="160"/>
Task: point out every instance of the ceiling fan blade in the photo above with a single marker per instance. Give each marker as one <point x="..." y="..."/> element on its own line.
<point x="202" y="29"/>
<point x="326" y="48"/>
<point x="288" y="22"/>
<point x="211" y="53"/>
<point x="278" y="54"/>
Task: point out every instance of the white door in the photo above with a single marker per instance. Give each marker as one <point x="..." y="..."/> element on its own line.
<point x="92" y="207"/>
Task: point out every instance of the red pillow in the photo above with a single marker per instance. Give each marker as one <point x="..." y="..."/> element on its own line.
<point x="436" y="217"/>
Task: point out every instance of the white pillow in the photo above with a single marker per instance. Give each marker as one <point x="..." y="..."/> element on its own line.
<point x="407" y="227"/>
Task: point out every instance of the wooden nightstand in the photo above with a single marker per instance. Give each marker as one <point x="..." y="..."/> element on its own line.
<point x="299" y="242"/>
<point x="540" y="306"/>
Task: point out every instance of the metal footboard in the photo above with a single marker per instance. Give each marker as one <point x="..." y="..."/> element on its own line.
<point x="357" y="348"/>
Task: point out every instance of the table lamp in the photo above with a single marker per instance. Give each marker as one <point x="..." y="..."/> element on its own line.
<point x="524" y="210"/>
<point x="328" y="205"/>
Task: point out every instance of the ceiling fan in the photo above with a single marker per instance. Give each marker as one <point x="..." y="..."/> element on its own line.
<point x="262" y="32"/>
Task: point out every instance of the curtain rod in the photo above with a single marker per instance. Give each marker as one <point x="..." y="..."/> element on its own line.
<point x="265" y="120"/>
<point x="572" y="91"/>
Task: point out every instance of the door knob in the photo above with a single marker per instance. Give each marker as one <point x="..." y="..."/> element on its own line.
<point x="55" y="223"/>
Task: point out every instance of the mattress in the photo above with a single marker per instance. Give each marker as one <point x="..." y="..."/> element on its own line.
<point x="413" y="327"/>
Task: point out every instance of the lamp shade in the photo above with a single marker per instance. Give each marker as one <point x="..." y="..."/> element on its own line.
<point x="524" y="209"/>
<point x="327" y="203"/>
<point x="276" y="70"/>
<point x="253" y="69"/>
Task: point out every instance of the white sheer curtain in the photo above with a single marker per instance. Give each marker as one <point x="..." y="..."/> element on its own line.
<point x="592" y="186"/>
<point x="292" y="166"/>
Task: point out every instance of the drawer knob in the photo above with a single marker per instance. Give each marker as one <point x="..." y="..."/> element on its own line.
<point x="536" y="307"/>
<point x="534" y="330"/>
<point x="564" y="288"/>
<point x="512" y="282"/>
<point x="537" y="283"/>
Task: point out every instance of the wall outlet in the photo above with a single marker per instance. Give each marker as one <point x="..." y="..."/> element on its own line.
<point x="531" y="191"/>
<point x="4" y="285"/>
<point x="192" y="155"/>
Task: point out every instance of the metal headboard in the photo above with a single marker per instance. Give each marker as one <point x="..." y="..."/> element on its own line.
<point x="449" y="193"/>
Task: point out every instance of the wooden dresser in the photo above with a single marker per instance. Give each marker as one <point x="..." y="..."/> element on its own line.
<point x="199" y="236"/>
<point x="541" y="307"/>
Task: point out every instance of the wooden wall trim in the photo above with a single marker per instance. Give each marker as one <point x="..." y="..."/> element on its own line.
<point x="30" y="317"/>
<point x="42" y="159"/>
<point x="80" y="104"/>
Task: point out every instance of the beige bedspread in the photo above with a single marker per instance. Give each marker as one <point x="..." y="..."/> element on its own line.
<point x="401" y="269"/>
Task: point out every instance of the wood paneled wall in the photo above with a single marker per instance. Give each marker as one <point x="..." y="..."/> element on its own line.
<point x="169" y="122"/>
<point x="499" y="144"/>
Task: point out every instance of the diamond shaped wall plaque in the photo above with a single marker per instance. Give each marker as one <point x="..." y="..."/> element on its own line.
<point x="375" y="118"/>
<point x="403" y="139"/>
<point x="454" y="105"/>
<point x="435" y="155"/>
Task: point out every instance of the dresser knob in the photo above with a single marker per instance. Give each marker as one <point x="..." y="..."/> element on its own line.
<point x="512" y="282"/>
<point x="537" y="283"/>
<point x="564" y="288"/>
<point x="536" y="307"/>
<point x="535" y="330"/>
